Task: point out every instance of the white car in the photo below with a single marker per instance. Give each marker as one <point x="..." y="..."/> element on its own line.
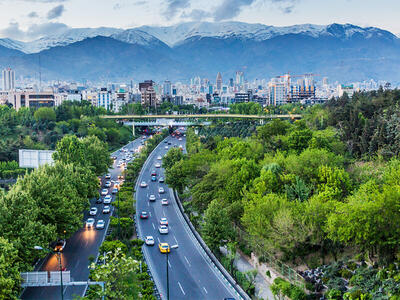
<point x="93" y="211"/>
<point x="164" y="221"/>
<point x="149" y="240"/>
<point x="161" y="190"/>
<point x="100" y="224"/>
<point x="104" y="192"/>
<point x="166" y="147"/>
<point x="152" y="198"/>
<point x="161" y="179"/>
<point x="106" y="209"/>
<point x="90" y="222"/>
<point x="159" y="157"/>
<point x="180" y="139"/>
<point x="157" y="165"/>
<point x="164" y="202"/>
<point x="163" y="229"/>
<point x="143" y="184"/>
<point x="107" y="199"/>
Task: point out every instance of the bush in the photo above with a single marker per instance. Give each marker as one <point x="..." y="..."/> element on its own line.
<point x="334" y="294"/>
<point x="111" y="246"/>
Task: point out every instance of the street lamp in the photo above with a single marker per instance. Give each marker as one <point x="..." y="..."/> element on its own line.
<point x="172" y="247"/>
<point x="58" y="254"/>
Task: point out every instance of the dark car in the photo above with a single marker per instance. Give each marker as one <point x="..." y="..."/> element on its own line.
<point x="153" y="178"/>
<point x="99" y="200"/>
<point x="144" y="215"/>
<point x="153" y="173"/>
<point x="60" y="245"/>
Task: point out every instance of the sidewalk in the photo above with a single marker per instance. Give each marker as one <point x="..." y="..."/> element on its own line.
<point x="262" y="286"/>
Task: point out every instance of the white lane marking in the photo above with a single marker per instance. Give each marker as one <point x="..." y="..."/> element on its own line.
<point x="158" y="239"/>
<point x="187" y="261"/>
<point x="169" y="264"/>
<point x="154" y="227"/>
<point x="163" y="213"/>
<point x="148" y="204"/>
<point x="175" y="239"/>
<point x="150" y="213"/>
<point x="183" y="292"/>
<point x="205" y="290"/>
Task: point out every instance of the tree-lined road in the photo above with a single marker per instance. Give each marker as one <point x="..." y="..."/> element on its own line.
<point x="191" y="274"/>
<point x="83" y="244"/>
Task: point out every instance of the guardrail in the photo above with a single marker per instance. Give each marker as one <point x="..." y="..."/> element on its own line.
<point x="207" y="250"/>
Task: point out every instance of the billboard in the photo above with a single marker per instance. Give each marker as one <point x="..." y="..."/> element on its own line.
<point x="35" y="158"/>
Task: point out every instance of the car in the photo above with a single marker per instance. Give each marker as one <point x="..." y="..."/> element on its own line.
<point x="165" y="142"/>
<point x="100" y="224"/>
<point x="149" y="240"/>
<point x="90" y="222"/>
<point x="159" y="157"/>
<point x="113" y="157"/>
<point x="59" y="246"/>
<point x="93" y="211"/>
<point x="163" y="229"/>
<point x="164" y="201"/>
<point x="143" y="184"/>
<point x="107" y="184"/>
<point x="180" y="139"/>
<point x="153" y="178"/>
<point x="161" y="190"/>
<point x="120" y="177"/>
<point x="99" y="200"/>
<point x="164" y="221"/>
<point x="157" y="165"/>
<point x="169" y="143"/>
<point x="144" y="215"/>
<point x="153" y="173"/>
<point x="107" y="199"/>
<point x="108" y="176"/>
<point x="164" y="247"/>
<point x="104" y="192"/>
<point x="161" y="179"/>
<point x="166" y="147"/>
<point x="106" y="209"/>
<point x="152" y="198"/>
<point x="115" y="190"/>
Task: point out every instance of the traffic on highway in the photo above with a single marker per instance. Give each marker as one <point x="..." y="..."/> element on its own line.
<point x="86" y="242"/>
<point x="161" y="225"/>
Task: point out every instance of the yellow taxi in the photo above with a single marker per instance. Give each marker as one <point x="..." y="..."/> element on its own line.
<point x="164" y="247"/>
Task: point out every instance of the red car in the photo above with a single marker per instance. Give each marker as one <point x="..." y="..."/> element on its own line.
<point x="144" y="215"/>
<point x="153" y="173"/>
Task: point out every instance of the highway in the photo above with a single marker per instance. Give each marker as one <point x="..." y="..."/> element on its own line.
<point x="83" y="244"/>
<point x="191" y="274"/>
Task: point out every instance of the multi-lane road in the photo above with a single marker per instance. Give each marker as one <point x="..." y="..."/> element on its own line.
<point x="83" y="244"/>
<point x="191" y="274"/>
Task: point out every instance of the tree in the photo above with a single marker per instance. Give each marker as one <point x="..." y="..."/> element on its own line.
<point x="173" y="156"/>
<point x="9" y="271"/>
<point x="119" y="274"/>
<point x="45" y="114"/>
<point x="217" y="229"/>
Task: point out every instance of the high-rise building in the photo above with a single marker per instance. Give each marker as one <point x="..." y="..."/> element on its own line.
<point x="149" y="97"/>
<point x="167" y="88"/>
<point x="8" y="79"/>
<point x="277" y="91"/>
<point x="239" y="78"/>
<point x="104" y="98"/>
<point x="219" y="81"/>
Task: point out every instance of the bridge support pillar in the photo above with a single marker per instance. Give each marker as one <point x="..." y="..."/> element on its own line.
<point x="261" y="121"/>
<point x="133" y="129"/>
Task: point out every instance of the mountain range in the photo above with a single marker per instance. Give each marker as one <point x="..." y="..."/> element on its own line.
<point x="342" y="52"/>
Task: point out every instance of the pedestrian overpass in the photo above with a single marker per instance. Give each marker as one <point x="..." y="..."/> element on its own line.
<point x="193" y="119"/>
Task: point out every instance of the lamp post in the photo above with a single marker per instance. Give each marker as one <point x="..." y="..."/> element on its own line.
<point x="119" y="237"/>
<point x="58" y="253"/>
<point x="172" y="247"/>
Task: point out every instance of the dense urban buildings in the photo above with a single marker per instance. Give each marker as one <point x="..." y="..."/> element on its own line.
<point x="202" y="92"/>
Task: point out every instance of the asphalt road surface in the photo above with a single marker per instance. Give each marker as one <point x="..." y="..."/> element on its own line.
<point x="191" y="274"/>
<point x="84" y="243"/>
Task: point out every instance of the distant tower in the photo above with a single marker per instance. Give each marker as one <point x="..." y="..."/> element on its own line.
<point x="219" y="81"/>
<point x="8" y="79"/>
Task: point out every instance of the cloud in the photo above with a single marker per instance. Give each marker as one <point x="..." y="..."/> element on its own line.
<point x="34" y="31"/>
<point x="196" y="15"/>
<point x="33" y="14"/>
<point x="55" y="12"/>
<point x="230" y="9"/>
<point x="174" y="7"/>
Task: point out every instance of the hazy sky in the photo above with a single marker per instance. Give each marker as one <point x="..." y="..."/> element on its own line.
<point x="30" y="19"/>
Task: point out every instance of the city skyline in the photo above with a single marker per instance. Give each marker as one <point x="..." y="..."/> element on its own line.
<point x="31" y="19"/>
